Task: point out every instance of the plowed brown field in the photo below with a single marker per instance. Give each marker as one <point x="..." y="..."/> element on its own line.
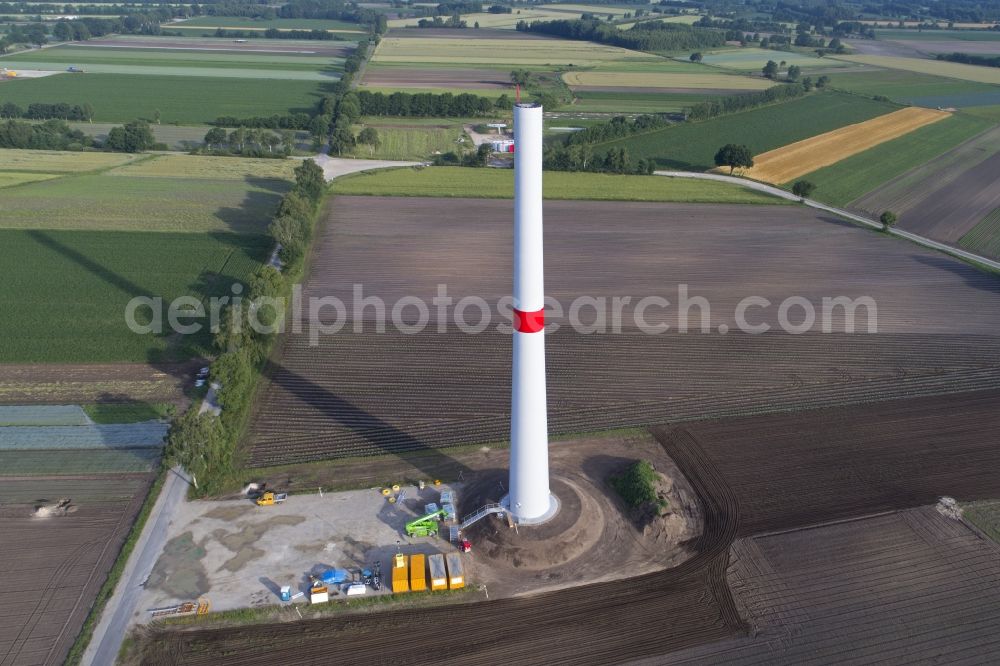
<point x="369" y="393"/>
<point x="53" y="568"/>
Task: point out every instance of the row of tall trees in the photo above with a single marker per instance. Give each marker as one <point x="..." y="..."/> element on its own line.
<point x="581" y="157"/>
<point x="445" y="105"/>
<point x="204" y="444"/>
<point x="250" y="142"/>
<point x="722" y="106"/>
<point x="617" y="128"/>
<point x="643" y="36"/>
<point x="42" y="111"/>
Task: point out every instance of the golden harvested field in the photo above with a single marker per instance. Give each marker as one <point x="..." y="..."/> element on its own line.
<point x="953" y="70"/>
<point x="501" y="53"/>
<point x="665" y="80"/>
<point x="204" y="166"/>
<point x="788" y="162"/>
<point x="59" y="161"/>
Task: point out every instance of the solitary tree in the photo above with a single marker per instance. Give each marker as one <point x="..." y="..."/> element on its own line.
<point x="734" y="155"/>
<point x="888" y="220"/>
<point x="520" y="77"/>
<point x="803" y="188"/>
<point x="793" y="72"/>
<point x="822" y="81"/>
<point x="696" y="56"/>
<point x="369" y="137"/>
<point x="156" y="116"/>
<point x="770" y="70"/>
<point x="807" y="83"/>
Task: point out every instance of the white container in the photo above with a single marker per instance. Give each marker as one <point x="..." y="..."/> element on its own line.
<point x="354" y="589"/>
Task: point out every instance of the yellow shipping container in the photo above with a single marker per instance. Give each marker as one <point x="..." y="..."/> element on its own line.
<point x="456" y="573"/>
<point x="400" y="575"/>
<point x="439" y="576"/>
<point x="418" y="573"/>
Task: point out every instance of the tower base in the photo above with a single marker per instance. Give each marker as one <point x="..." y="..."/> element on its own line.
<point x="544" y="518"/>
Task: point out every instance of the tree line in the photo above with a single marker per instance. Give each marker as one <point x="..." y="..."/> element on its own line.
<point x="43" y="111"/>
<point x="250" y="142"/>
<point x="644" y="36"/>
<point x="617" y="128"/>
<point x="722" y="106"/>
<point x="581" y="157"/>
<point x="970" y="59"/>
<point x="205" y="444"/>
<point x="445" y="105"/>
<point x="132" y="137"/>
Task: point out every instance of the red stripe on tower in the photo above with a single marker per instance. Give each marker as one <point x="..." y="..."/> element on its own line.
<point x="529" y="322"/>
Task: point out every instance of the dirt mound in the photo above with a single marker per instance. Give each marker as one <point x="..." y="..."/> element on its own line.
<point x="61" y="508"/>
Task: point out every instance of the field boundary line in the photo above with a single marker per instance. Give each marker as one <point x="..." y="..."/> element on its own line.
<point x="868" y="222"/>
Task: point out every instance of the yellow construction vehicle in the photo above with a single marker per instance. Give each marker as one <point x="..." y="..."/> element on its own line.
<point x="270" y="498"/>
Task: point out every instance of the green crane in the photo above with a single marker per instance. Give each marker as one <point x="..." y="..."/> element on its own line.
<point x="425" y="525"/>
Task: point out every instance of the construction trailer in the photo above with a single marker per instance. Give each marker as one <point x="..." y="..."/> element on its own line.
<point x="456" y="573"/>
<point x="418" y="573"/>
<point x="400" y="574"/>
<point x="319" y="594"/>
<point x="439" y="575"/>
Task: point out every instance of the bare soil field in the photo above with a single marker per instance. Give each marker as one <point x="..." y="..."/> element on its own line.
<point x="452" y="77"/>
<point x="904" y="587"/>
<point x="53" y="567"/>
<point x="691" y="605"/>
<point x="947" y="197"/>
<point x="108" y="382"/>
<point x="368" y="393"/>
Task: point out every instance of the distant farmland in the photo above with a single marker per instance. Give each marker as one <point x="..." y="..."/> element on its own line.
<point x="916" y="88"/>
<point x="937" y="67"/>
<point x="859" y="174"/>
<point x="693" y="145"/>
<point x="185" y="100"/>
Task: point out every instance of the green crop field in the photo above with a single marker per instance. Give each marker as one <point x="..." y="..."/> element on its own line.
<point x="138" y="203"/>
<point x="631" y="102"/>
<point x="984" y="238"/>
<point x="60" y="161"/>
<point x="913" y="88"/>
<point x="11" y="178"/>
<point x="499" y="184"/>
<point x="87" y="461"/>
<point x="411" y="143"/>
<point x="753" y="59"/>
<point x="182" y="100"/>
<point x="66" y="292"/>
<point x="952" y="70"/>
<point x="991" y="112"/>
<point x="501" y="53"/>
<point x="986" y="516"/>
<point x="693" y="145"/>
<point x="214" y="168"/>
<point x="236" y="22"/>
<point x="859" y="174"/>
<point x="88" y="55"/>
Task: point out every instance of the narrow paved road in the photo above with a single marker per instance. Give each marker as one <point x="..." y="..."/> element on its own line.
<point x="117" y="615"/>
<point x="778" y="192"/>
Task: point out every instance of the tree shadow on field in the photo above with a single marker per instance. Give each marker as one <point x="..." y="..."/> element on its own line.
<point x="254" y="213"/>
<point x="432" y="461"/>
<point x="974" y="277"/>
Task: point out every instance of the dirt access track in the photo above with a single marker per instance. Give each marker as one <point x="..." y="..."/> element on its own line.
<point x="751" y="475"/>
<point x="52" y="568"/>
<point x="369" y="393"/>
